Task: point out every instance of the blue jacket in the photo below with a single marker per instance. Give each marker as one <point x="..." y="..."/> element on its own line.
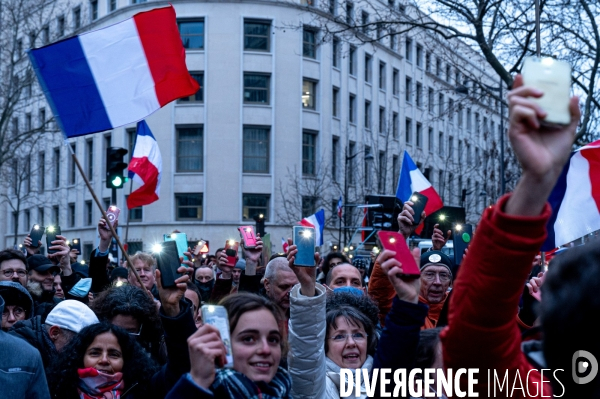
<point x="21" y="370"/>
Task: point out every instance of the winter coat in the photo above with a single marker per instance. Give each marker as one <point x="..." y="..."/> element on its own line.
<point x="34" y="332"/>
<point x="482" y="331"/>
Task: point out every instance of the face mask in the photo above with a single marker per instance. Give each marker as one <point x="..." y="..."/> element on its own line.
<point x="205" y="289"/>
<point x="81" y="289"/>
<point x="351" y="290"/>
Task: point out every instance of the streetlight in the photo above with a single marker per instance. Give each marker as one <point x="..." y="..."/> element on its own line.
<point x="368" y="158"/>
<point x="463" y="89"/>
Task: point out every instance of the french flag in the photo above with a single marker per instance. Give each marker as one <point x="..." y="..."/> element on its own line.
<point x="284" y="245"/>
<point x="145" y="168"/>
<point x="575" y="199"/>
<point x="317" y="221"/>
<point x="113" y="76"/>
<point x="411" y="180"/>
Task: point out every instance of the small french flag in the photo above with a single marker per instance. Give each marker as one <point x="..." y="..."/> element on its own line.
<point x="575" y="199"/>
<point x="317" y="221"/>
<point x="411" y="180"/>
<point x="284" y="245"/>
<point x="116" y="75"/>
<point x="145" y="168"/>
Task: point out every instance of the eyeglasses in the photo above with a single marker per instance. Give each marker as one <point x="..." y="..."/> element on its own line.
<point x="137" y="334"/>
<point x="430" y="276"/>
<point x="344" y="337"/>
<point x="11" y="272"/>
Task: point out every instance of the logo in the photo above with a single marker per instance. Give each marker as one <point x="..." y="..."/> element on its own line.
<point x="584" y="366"/>
<point x="435" y="258"/>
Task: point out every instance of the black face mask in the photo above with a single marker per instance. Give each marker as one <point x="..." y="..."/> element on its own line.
<point x="205" y="289"/>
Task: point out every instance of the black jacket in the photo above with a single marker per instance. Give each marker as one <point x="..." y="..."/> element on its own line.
<point x="34" y="332"/>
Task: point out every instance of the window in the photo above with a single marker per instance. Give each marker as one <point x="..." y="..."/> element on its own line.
<point x="332" y="7"/>
<point x="428" y="62"/>
<point x="335" y="48"/>
<point x="72" y="214"/>
<point x="350" y="167"/>
<point x="408" y="53"/>
<point x="451" y="110"/>
<point x="41" y="216"/>
<point x="450" y="147"/>
<point x="94" y="9"/>
<point x="309" y="153"/>
<point x="438" y="67"/>
<point x="448" y="74"/>
<point x="72" y="170"/>
<point x="15" y="126"/>
<point x="460" y="115"/>
<point x="61" y="26"/>
<point x="188" y="206"/>
<point x="309" y="206"/>
<point x="418" y="135"/>
<point x="335" y="94"/>
<point x="395" y="82"/>
<point x="106" y="202"/>
<point x="254" y="205"/>
<point x="42" y="171"/>
<point x="367" y="114"/>
<point x="45" y="35"/>
<point x="256" y="88"/>
<point x="89" y="153"/>
<point x="27" y="177"/>
<point x="28" y="121"/>
<point x="192" y="34"/>
<point x="112" y="5"/>
<point x="469" y="156"/>
<point x="349" y="13"/>
<point x="382" y="120"/>
<point x="89" y="215"/>
<point x="257" y="35"/>
<point x="56" y="162"/>
<point x="408" y="92"/>
<point x="469" y="119"/>
<point x="199" y="96"/>
<point x="27" y="220"/>
<point x="381" y="180"/>
<point x="76" y="18"/>
<point x="395" y="125"/>
<point x="485" y="124"/>
<point x="419" y="94"/>
<point x="136" y="214"/>
<point x="352" y="108"/>
<point x="419" y="56"/>
<point x="256" y="149"/>
<point x="459" y="151"/>
<point x="335" y="143"/>
<point x="368" y="71"/>
<point x="430" y="139"/>
<point x="441" y="143"/>
<point x="408" y="131"/>
<point x="441" y="105"/>
<point x="42" y="118"/>
<point x="392" y="39"/>
<point x="190" y="149"/>
<point x="352" y="61"/>
<point x="477" y="160"/>
<point x="367" y="168"/>
<point x="309" y="94"/>
<point x="382" y="75"/>
<point x="309" y="43"/>
<point x="477" y="127"/>
<point x="395" y="169"/>
<point x="364" y="19"/>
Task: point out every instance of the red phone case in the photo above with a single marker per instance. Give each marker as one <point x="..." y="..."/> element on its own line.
<point x="395" y="242"/>
<point x="247" y="234"/>
<point x="231" y="252"/>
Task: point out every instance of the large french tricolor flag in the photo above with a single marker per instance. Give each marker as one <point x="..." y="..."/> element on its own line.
<point x="575" y="200"/>
<point x="145" y="168"/>
<point x="316" y="220"/>
<point x="116" y="75"/>
<point x="412" y="180"/>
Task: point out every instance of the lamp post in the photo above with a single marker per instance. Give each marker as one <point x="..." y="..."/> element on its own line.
<point x="348" y="157"/>
<point x="463" y="89"/>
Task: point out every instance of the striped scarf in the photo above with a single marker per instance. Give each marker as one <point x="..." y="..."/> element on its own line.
<point x="231" y="384"/>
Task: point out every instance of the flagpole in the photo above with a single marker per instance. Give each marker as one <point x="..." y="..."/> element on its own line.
<point x="112" y="229"/>
<point x="128" y="210"/>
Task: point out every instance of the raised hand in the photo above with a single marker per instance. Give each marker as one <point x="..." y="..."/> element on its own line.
<point x="306" y="275"/>
<point x="105" y="234"/>
<point x="406" y="219"/>
<point x="62" y="256"/>
<point x="206" y="349"/>
<point x="223" y="266"/>
<point x="407" y="288"/>
<point x="31" y="250"/>
<point x="170" y="297"/>
<point x="535" y="286"/>
<point x="437" y="238"/>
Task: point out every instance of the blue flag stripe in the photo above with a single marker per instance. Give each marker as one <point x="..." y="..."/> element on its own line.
<point x="556" y="197"/>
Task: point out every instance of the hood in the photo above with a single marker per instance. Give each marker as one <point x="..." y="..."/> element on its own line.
<point x="1" y="305"/>
<point x="15" y="293"/>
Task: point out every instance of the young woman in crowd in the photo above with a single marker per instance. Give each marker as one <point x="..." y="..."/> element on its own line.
<point x="257" y="347"/>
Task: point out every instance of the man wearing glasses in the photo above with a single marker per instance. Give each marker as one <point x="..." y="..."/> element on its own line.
<point x="13" y="266"/>
<point x="436" y="277"/>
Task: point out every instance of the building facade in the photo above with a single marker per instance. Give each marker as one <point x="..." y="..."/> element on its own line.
<point x="282" y="107"/>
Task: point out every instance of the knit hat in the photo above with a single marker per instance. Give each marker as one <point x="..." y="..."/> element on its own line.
<point x="241" y="264"/>
<point x="15" y="294"/>
<point x="436" y="258"/>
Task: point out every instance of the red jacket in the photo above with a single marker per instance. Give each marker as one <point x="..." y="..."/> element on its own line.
<point x="482" y="332"/>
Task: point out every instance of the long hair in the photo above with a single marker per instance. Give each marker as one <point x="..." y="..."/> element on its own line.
<point x="128" y="300"/>
<point x="62" y="375"/>
<point x="240" y="303"/>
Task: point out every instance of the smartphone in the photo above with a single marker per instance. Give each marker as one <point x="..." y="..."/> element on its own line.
<point x="248" y="236"/>
<point x="76" y="244"/>
<point x="394" y="241"/>
<point x="462" y="234"/>
<point x="113" y="215"/>
<point x="266" y="252"/>
<point x="216" y="315"/>
<point x="167" y="260"/>
<point x="231" y="250"/>
<point x="199" y="247"/>
<point x="304" y="240"/>
<point x="553" y="77"/>
<point x="51" y="233"/>
<point x="181" y="241"/>
<point x="419" y="200"/>
<point x="36" y="234"/>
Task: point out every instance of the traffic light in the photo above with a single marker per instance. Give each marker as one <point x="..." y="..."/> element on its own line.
<point x="114" y="167"/>
<point x="260" y="224"/>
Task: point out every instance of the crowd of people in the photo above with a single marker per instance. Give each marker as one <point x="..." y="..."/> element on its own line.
<point x="96" y="331"/>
